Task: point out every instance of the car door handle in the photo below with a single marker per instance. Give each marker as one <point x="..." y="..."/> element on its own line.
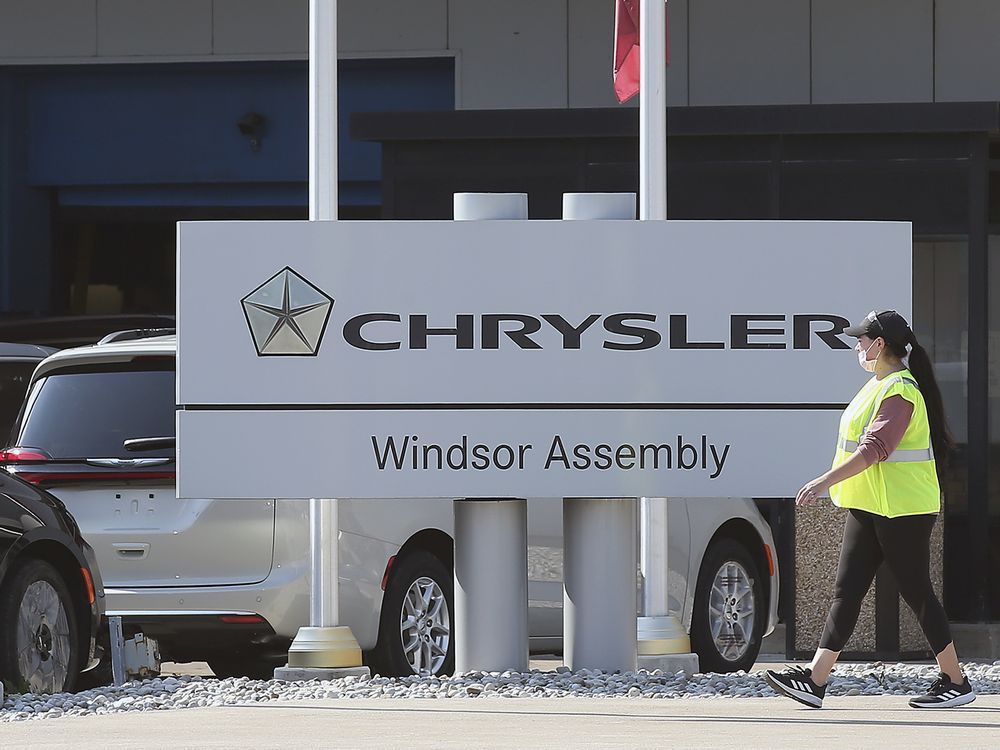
<point x="131" y="551"/>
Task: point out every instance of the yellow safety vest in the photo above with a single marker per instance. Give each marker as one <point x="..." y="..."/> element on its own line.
<point x="906" y="483"/>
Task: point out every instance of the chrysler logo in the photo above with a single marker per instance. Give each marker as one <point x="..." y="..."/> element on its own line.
<point x="287" y="315"/>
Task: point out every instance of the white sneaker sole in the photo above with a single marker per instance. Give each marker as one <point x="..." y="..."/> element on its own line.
<point x="808" y="699"/>
<point x="960" y="700"/>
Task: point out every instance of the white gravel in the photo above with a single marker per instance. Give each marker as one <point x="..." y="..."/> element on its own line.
<point x="196" y="692"/>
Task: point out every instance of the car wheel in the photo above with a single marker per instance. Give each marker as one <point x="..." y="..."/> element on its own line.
<point x="416" y="630"/>
<point x="39" y="644"/>
<point x="727" y="624"/>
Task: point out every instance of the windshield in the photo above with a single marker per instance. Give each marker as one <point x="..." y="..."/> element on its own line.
<point x="73" y="415"/>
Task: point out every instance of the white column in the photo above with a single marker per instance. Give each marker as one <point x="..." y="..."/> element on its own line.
<point x="491" y="535"/>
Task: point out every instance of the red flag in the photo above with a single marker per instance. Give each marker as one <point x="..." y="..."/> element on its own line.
<point x="626" y="64"/>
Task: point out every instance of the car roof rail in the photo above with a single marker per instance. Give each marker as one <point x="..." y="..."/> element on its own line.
<point x="136" y="333"/>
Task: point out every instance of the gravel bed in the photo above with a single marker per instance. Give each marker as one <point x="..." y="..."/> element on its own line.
<point x="196" y="692"/>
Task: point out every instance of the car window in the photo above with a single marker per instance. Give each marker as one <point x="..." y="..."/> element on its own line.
<point x="90" y="414"/>
<point x="14" y="377"/>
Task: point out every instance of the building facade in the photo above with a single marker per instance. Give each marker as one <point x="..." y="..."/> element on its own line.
<point x="120" y="117"/>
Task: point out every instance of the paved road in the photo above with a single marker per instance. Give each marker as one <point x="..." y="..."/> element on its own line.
<point x="882" y="722"/>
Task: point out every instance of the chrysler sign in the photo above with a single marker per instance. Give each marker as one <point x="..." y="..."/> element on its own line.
<point x="525" y="358"/>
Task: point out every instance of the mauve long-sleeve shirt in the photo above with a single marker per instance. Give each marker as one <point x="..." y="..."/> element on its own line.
<point x="886" y="430"/>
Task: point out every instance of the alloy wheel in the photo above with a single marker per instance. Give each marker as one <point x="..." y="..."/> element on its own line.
<point x="425" y="626"/>
<point x="43" y="639"/>
<point x="731" y="610"/>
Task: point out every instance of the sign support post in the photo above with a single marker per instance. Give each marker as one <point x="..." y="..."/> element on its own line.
<point x="491" y="535"/>
<point x="599" y="584"/>
<point x="599" y="557"/>
<point x="325" y="649"/>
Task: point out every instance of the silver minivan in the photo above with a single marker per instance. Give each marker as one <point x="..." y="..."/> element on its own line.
<point x="226" y="581"/>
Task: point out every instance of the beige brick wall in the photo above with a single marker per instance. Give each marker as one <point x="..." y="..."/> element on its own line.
<point x="819" y="531"/>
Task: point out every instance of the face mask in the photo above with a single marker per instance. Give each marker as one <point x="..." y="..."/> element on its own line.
<point x="866" y="364"/>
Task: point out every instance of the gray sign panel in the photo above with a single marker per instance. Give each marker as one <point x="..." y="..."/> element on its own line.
<point x="336" y="344"/>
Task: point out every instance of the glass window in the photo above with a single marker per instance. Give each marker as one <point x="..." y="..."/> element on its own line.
<point x="90" y="414"/>
<point x="994" y="416"/>
<point x="14" y="377"/>
<point x="940" y="322"/>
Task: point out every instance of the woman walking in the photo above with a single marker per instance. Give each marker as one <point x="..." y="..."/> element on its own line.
<point x="885" y="475"/>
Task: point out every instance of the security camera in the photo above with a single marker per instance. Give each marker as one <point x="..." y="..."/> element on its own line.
<point x="251" y="125"/>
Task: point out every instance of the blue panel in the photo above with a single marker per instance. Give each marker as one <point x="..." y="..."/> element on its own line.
<point x="387" y="86"/>
<point x="149" y="125"/>
<point x="266" y="194"/>
<point x="157" y="125"/>
<point x="25" y="222"/>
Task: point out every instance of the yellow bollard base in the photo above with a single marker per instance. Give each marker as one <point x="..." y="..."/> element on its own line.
<point x="662" y="643"/>
<point x="656" y="636"/>
<point x="325" y="648"/>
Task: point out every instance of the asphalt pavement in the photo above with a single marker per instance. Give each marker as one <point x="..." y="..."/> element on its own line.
<point x="883" y="722"/>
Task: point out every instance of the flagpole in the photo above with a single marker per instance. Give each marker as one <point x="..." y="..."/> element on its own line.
<point x="324" y="605"/>
<point x="324" y="649"/>
<point x="652" y="110"/>
<point x="662" y="640"/>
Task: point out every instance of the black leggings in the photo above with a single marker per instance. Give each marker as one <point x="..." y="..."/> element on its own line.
<point x="904" y="544"/>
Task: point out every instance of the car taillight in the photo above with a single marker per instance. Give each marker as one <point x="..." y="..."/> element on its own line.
<point x="241" y="619"/>
<point x="60" y="476"/>
<point x="17" y="455"/>
<point x="37" y="467"/>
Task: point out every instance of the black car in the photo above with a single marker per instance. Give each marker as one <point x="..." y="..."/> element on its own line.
<point x="17" y="362"/>
<point x="51" y="595"/>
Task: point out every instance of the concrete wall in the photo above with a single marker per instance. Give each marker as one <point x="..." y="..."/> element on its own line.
<point x="557" y="53"/>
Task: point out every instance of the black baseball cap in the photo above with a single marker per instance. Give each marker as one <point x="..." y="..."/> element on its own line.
<point x="888" y="324"/>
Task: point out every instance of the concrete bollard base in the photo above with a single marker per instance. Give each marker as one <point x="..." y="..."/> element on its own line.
<point x="669" y="663"/>
<point x="303" y="674"/>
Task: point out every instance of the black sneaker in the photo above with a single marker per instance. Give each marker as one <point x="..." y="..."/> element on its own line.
<point x="944" y="693"/>
<point x="797" y="684"/>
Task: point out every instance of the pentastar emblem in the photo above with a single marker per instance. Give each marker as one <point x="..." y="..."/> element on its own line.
<point x="287" y="315"/>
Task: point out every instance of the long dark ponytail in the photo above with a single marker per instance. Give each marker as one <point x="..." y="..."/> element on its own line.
<point x="919" y="364"/>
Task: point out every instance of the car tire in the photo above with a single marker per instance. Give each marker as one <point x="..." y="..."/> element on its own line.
<point x="99" y="676"/>
<point x="416" y="627"/>
<point x="727" y="624"/>
<point x="36" y="609"/>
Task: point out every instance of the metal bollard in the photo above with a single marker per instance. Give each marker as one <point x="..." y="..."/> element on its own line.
<point x="117" y="650"/>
